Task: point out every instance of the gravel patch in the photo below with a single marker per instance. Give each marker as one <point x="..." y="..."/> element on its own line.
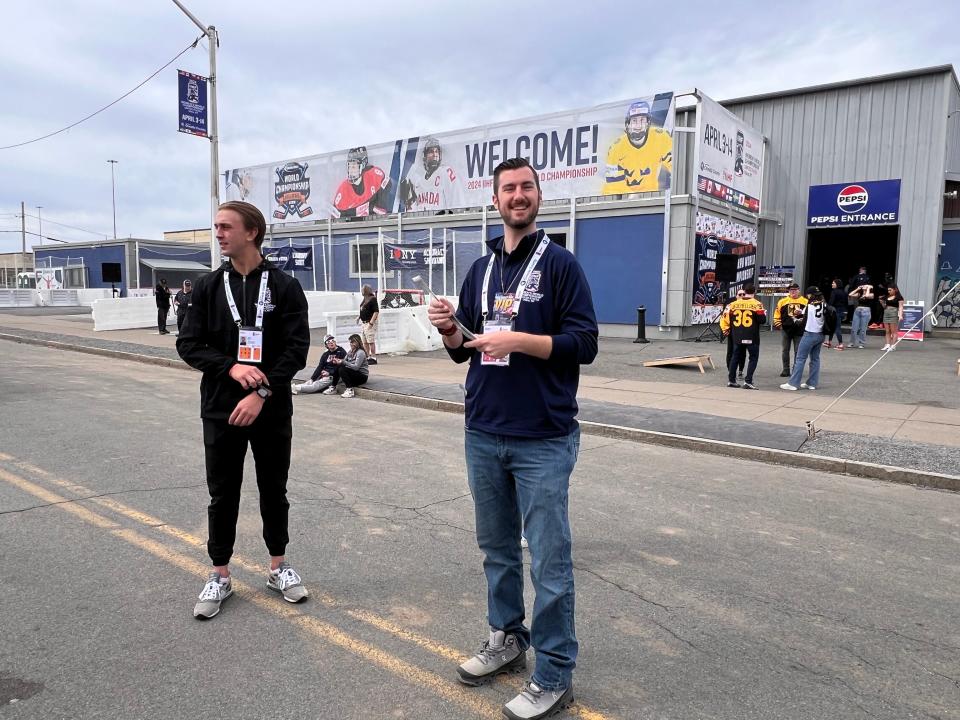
<point x="884" y="451"/>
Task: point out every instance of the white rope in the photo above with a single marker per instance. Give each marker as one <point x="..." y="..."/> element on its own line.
<point x="811" y="427"/>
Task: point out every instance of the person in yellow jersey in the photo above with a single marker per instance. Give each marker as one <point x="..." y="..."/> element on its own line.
<point x="744" y="316"/>
<point x="785" y="317"/>
<point x="640" y="160"/>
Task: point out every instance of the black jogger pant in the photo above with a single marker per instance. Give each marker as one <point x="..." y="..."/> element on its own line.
<point x="351" y="378"/>
<point x="226" y="446"/>
<point x="162" y="318"/>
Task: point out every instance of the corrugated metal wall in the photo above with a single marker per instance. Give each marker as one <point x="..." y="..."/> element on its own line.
<point x="953" y="128"/>
<point x="889" y="129"/>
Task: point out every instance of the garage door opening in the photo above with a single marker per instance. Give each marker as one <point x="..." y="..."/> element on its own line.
<point x="839" y="253"/>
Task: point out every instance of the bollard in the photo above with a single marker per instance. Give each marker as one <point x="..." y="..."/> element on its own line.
<point x="641" y="325"/>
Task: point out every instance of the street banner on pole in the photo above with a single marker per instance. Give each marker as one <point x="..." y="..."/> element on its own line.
<point x="192" y="106"/>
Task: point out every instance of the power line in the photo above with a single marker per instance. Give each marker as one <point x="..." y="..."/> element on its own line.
<point x="105" y="107"/>
<point x="54" y="222"/>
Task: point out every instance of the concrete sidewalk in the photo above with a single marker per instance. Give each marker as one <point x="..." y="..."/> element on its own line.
<point x="905" y="413"/>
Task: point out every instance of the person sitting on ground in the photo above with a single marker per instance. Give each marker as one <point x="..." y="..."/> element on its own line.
<point x="818" y="322"/>
<point x="892" y="315"/>
<point x="327" y="374"/>
<point x="353" y="367"/>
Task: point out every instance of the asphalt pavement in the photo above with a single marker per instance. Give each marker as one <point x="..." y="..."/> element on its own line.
<point x="707" y="587"/>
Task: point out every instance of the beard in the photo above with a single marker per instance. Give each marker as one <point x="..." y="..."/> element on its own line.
<point x="518" y="219"/>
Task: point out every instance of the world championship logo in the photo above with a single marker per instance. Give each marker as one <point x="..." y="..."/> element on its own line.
<point x="292" y="190"/>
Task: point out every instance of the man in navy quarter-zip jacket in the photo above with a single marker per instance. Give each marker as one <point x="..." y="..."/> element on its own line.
<point x="529" y="305"/>
<point x="248" y="337"/>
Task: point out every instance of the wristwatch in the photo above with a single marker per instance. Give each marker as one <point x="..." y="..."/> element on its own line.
<point x="264" y="392"/>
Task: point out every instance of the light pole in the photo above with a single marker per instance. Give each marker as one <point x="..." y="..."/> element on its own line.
<point x="40" y="223"/>
<point x="113" y="193"/>
<point x="211" y="32"/>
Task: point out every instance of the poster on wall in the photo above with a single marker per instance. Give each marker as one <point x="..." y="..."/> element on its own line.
<point x="416" y="255"/>
<point x="776" y="279"/>
<point x="615" y="149"/>
<point x="912" y="315"/>
<point x="731" y="158"/>
<point x="290" y="258"/>
<point x="717" y="235"/>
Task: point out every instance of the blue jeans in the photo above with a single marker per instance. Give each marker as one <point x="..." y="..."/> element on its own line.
<point x="810" y="345"/>
<point x="858" y="330"/>
<point x="522" y="483"/>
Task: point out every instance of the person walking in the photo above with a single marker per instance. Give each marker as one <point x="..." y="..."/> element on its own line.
<point x="892" y="315"/>
<point x="818" y="321"/>
<point x="745" y="315"/>
<point x="182" y="302"/>
<point x="247" y="332"/>
<point x="784" y="315"/>
<point x="531" y="307"/>
<point x="162" y="296"/>
<point x="839" y="301"/>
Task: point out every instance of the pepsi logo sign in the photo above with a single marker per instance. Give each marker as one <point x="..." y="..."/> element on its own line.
<point x="852" y="198"/>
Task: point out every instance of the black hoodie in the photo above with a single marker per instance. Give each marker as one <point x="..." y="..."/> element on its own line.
<point x="209" y="338"/>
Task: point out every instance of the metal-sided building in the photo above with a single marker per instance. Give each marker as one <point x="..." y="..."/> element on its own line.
<point x="903" y="127"/>
<point x="819" y="180"/>
<point x="127" y="264"/>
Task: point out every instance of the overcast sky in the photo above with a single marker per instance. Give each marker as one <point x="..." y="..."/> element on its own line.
<point x="301" y="78"/>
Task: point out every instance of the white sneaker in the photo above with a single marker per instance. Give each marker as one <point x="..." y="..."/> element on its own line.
<point x="787" y="386"/>
<point x="808" y="387"/>
<point x="533" y="703"/>
<point x="886" y="347"/>
<point x="330" y="391"/>
<point x="891" y="348"/>
<point x="214" y="593"/>
<point x="348" y="393"/>
<point x="287" y="582"/>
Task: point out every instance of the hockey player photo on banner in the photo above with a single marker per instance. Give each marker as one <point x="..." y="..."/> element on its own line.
<point x="641" y="157"/>
<point x="431" y="183"/>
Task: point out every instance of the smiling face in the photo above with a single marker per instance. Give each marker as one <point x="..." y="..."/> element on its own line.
<point x="517" y="197"/>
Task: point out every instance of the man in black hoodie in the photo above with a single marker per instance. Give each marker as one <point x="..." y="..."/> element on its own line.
<point x="247" y="332"/>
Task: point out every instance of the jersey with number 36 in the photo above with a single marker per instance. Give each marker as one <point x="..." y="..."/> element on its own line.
<point x="745" y="318"/>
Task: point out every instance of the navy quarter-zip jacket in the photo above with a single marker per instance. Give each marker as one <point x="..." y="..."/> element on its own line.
<point x="532" y="397"/>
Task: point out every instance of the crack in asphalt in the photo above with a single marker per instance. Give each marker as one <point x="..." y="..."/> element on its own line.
<point x="100" y="495"/>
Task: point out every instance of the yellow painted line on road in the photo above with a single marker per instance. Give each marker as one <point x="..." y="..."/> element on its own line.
<point x="328" y="632"/>
<point x="446" y="689"/>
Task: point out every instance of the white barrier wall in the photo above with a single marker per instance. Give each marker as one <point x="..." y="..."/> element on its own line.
<point x="88" y="296"/>
<point x="398" y="330"/>
<point x="10" y="297"/>
<point x="321" y="303"/>
<point x="126" y="313"/>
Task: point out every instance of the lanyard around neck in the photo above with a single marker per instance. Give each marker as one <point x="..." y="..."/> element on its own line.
<point x="261" y="298"/>
<point x="524" y="279"/>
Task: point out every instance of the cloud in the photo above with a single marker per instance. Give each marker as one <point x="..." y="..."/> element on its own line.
<point x="313" y="78"/>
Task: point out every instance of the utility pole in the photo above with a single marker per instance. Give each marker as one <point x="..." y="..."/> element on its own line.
<point x="40" y="222"/>
<point x="211" y="32"/>
<point x="113" y="194"/>
<point x="23" y="231"/>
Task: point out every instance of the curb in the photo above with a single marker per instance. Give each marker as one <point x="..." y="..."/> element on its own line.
<point x="840" y="466"/>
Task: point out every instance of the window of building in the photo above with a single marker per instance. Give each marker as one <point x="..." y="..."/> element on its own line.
<point x="366" y="253"/>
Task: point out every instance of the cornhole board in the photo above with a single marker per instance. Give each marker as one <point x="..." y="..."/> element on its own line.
<point x="697" y="360"/>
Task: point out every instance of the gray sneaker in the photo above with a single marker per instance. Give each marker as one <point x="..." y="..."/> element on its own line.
<point x="533" y="703"/>
<point x="286" y="582"/>
<point x="500" y="654"/>
<point x="214" y="593"/>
